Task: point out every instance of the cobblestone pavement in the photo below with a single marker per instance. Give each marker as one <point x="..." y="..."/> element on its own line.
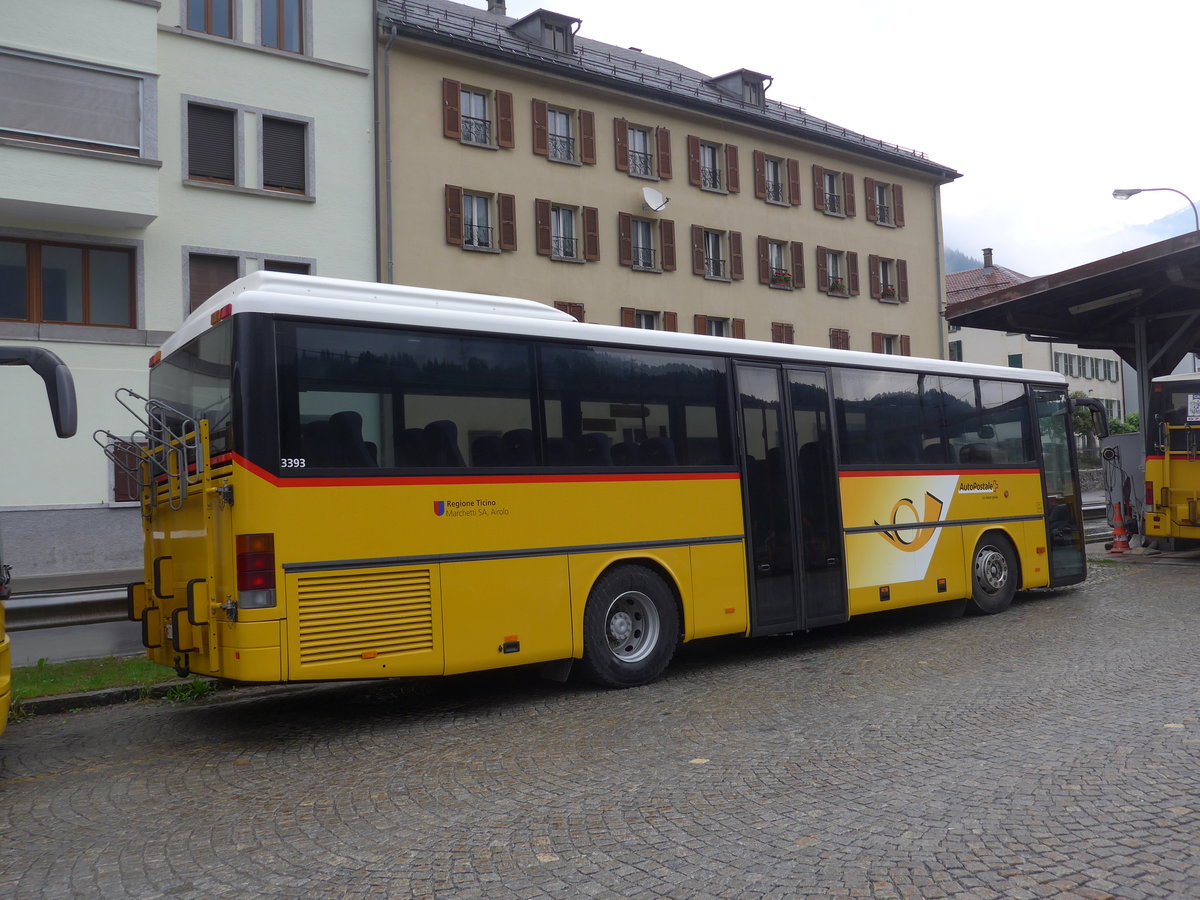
<point x="1053" y="751"/>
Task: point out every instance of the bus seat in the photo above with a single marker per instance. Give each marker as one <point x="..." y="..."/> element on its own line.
<point x="975" y="453"/>
<point x="349" y="447"/>
<point x="441" y="444"/>
<point x="317" y="442"/>
<point x="934" y="453"/>
<point x="412" y="447"/>
<point x="517" y="448"/>
<point x="560" y="452"/>
<point x="624" y="453"/>
<point x="657" y="451"/>
<point x="486" y="450"/>
<point x="597" y="449"/>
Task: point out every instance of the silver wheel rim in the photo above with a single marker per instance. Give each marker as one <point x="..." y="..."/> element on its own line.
<point x="631" y="626"/>
<point x="991" y="569"/>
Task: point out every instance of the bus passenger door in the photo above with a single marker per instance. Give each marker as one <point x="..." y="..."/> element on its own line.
<point x="1064" y="514"/>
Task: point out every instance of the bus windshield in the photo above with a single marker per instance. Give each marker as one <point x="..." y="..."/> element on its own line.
<point x="196" y="382"/>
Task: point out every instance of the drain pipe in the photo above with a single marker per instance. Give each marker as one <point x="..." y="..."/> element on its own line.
<point x="382" y="269"/>
<point x="940" y="306"/>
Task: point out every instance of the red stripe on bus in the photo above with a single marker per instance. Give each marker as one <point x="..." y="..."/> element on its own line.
<point x="880" y="473"/>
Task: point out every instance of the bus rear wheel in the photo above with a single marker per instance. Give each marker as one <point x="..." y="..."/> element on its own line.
<point x="994" y="576"/>
<point x="630" y="627"/>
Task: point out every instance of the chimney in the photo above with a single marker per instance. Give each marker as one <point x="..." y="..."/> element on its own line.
<point x="987" y="257"/>
<point x="497" y="7"/>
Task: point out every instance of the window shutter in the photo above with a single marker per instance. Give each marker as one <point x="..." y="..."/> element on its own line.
<point x="125" y="486"/>
<point x="666" y="233"/>
<point x="207" y="274"/>
<point x="797" y="264"/>
<point x="212" y="139"/>
<point x="760" y="174"/>
<point x="869" y="192"/>
<point x="670" y="321"/>
<point x="570" y="308"/>
<point x="777" y="332"/>
<point x="898" y="205"/>
<point x="819" y="187"/>
<point x="848" y="188"/>
<point x="628" y="317"/>
<point x="789" y="333"/>
<point x="587" y="137"/>
<point x="663" y="139"/>
<point x="736" y="271"/>
<point x="541" y="224"/>
<point x="283" y="154"/>
<point x="739" y="328"/>
<point x="454" y="215"/>
<point x="541" y="128"/>
<point x="591" y="233"/>
<point x="506" y="133"/>
<point x="822" y="269"/>
<point x="876" y="342"/>
<point x="873" y="272"/>
<point x="700" y="324"/>
<point x="902" y="280"/>
<point x="621" y="143"/>
<point x="698" y="249"/>
<point x="905" y="345"/>
<point x="693" y="151"/>
<point x="507" y="207"/>
<point x="625" y="239"/>
<point x="793" y="176"/>
<point x="764" y="261"/>
<point x="852" y="272"/>
<point x="839" y="338"/>
<point x="451" y="112"/>
<point x="733" y="182"/>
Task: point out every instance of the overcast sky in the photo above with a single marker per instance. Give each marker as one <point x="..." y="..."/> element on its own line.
<point x="1044" y="106"/>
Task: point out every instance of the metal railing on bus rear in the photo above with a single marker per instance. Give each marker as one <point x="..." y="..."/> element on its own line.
<point x="167" y="455"/>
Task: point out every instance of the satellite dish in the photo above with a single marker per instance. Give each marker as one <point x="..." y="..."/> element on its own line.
<point x="652" y="199"/>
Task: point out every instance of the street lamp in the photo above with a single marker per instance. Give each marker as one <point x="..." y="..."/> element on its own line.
<point x="1126" y="193"/>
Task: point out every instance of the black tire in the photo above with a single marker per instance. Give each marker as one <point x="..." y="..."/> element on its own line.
<point x="994" y="575"/>
<point x="630" y="627"/>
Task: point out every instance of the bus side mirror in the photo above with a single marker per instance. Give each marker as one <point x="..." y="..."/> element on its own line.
<point x="1099" y="414"/>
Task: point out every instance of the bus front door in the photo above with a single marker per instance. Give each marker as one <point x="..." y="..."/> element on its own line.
<point x="790" y="498"/>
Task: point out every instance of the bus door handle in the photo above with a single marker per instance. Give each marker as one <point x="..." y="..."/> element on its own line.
<point x="763" y="567"/>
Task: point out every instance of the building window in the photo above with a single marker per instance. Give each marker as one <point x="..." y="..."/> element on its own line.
<point x="557" y="37"/>
<point x="476" y="124"/>
<point x="641" y="160"/>
<point x="473" y="217"/>
<point x="54" y="102"/>
<point x="1015" y="360"/>
<point x="716" y="327"/>
<point x="289" y="266"/>
<point x="637" y="243"/>
<point x="75" y="284"/>
<point x="889" y="279"/>
<point x="212" y="143"/>
<point x="207" y="274"/>
<point x="839" y="338"/>
<point x="284" y="155"/>
<point x="570" y="308"/>
<point x="837" y="272"/>
<point x="885" y="203"/>
<point x="642" y="151"/>
<point x="557" y="232"/>
<point x="717" y="255"/>
<point x="477" y="221"/>
<point x="714" y="257"/>
<point x="895" y="344"/>
<point x="719" y="327"/>
<point x="467" y="115"/>
<point x="563" y="243"/>
<point x="562" y="143"/>
<point x="648" y="319"/>
<point x="783" y="333"/>
<point x="283" y="24"/>
<point x="712" y="166"/>
<point x="953" y="328"/>
<point x="645" y="319"/>
<point x="833" y="192"/>
<point x="752" y="91"/>
<point x="210" y="17"/>
<point x="780" y="263"/>
<point x="776" y="180"/>
<point x="564" y="135"/>
<point x="956" y="353"/>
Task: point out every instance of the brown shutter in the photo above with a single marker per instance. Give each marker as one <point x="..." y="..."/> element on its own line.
<point x="734" y="184"/>
<point x="284" y="148"/>
<point x="876" y="342"/>
<point x="700" y="324"/>
<point x="789" y="333"/>
<point x="621" y="143"/>
<point x="666" y="233"/>
<point x="898" y="205"/>
<point x="507" y="206"/>
<point x="587" y="137"/>
<point x="211" y="143"/>
<point x="736" y="271"/>
<point x="628" y="317"/>
<point x="822" y="269"/>
<point x="670" y="321"/>
<point x="873" y="273"/>
<point x="693" y="151"/>
<point x="541" y="224"/>
<point x="739" y="328"/>
<point x="207" y="274"/>
<point x="625" y="239"/>
<point x="852" y="272"/>
<point x="793" y="176"/>
<point x="818" y="187"/>
<point x="663" y="139"/>
<point x="905" y="345"/>
<point x="591" y="233"/>
<point x="777" y="332"/>
<point x="902" y="280"/>
<point x="760" y="174"/>
<point x="697" y="249"/>
<point x="797" y="264"/>
<point x="571" y="308"/>
<point x="839" y="338"/>
<point x="541" y="128"/>
<point x="506" y="133"/>
<point x="764" y="261"/>
<point x="454" y="215"/>
<point x="869" y="191"/>
<point x="451" y="111"/>
<point x="848" y="188"/>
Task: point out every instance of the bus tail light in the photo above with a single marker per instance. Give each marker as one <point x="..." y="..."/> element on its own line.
<point x="1150" y="494"/>
<point x="255" y="570"/>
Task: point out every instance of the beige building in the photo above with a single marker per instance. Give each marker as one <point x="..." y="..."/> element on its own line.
<point x="519" y="157"/>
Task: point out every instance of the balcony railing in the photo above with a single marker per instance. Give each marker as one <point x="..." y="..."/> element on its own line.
<point x="475" y="131"/>
<point x="883" y="214"/>
<point x="833" y="202"/>
<point x="714" y="268"/>
<point x="477" y="235"/>
<point x="562" y="147"/>
<point x="775" y="191"/>
<point x="564" y="247"/>
<point x="640" y="163"/>
<point x="710" y="178"/>
<point x="643" y="257"/>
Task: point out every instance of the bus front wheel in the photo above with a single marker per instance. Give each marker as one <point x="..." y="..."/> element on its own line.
<point x="630" y="627"/>
<point x="994" y="577"/>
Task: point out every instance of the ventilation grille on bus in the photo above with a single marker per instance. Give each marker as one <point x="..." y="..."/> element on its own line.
<point x="342" y="616"/>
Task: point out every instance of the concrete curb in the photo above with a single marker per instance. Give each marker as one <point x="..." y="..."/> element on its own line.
<point x="60" y="703"/>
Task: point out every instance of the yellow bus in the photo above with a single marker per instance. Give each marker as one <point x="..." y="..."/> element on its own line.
<point x="343" y="480"/>
<point x="1172" y="431"/>
<point x="60" y="391"/>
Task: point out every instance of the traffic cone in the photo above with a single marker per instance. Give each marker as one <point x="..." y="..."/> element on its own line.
<point x="1120" y="542"/>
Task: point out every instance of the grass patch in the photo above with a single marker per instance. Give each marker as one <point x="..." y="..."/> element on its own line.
<point x="46" y="679"/>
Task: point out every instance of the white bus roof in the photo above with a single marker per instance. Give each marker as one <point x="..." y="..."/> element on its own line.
<point x="316" y="297"/>
<point x="1172" y="379"/>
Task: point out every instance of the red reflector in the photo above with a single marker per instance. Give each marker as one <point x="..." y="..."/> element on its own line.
<point x="156" y="359"/>
<point x="223" y="313"/>
<point x="255" y="562"/>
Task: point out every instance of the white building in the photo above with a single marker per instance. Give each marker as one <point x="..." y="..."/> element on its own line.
<point x="152" y="152"/>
